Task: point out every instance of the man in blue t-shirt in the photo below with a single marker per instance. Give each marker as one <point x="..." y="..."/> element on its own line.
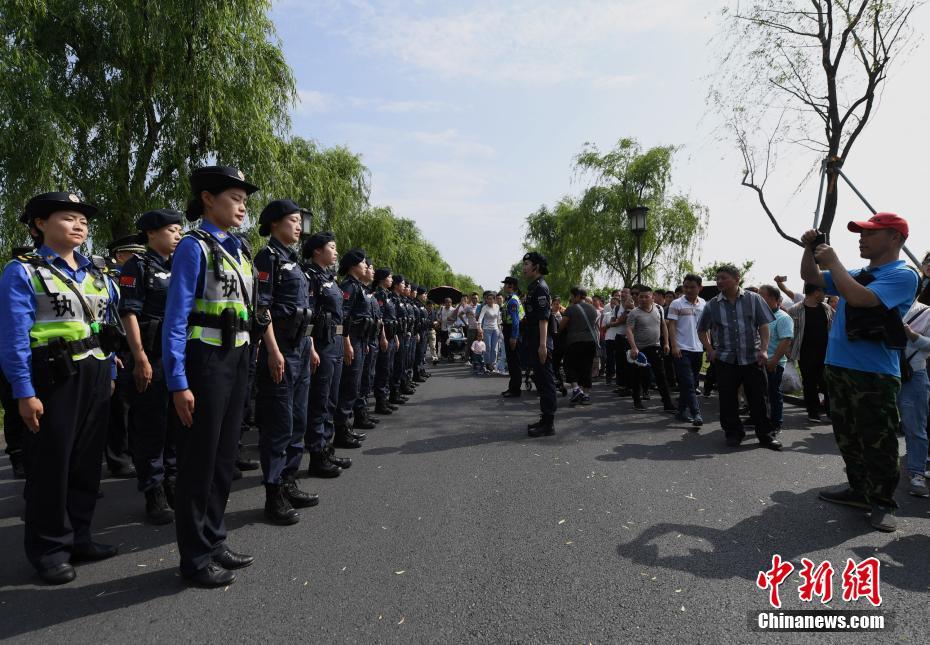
<point x="864" y="376"/>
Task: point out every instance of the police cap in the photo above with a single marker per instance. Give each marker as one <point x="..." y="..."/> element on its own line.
<point x="159" y="218"/>
<point x="274" y="211"/>
<point x="539" y="260"/>
<point x="316" y="241"/>
<point x="350" y="259"/>
<point x="382" y="273"/>
<point x="128" y="243"/>
<point x="47" y="203"/>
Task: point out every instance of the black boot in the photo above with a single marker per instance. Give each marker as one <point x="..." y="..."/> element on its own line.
<point x="19" y="464"/>
<point x="545" y="428"/>
<point x="321" y="466"/>
<point x="382" y="407"/>
<point x="406" y="390"/>
<point x="297" y="497"/>
<point x="169" y="484"/>
<point x="156" y="506"/>
<point x="342" y="462"/>
<point x="343" y="439"/>
<point x="245" y="464"/>
<point x="277" y="509"/>
<point x="396" y="398"/>
<point x="361" y="420"/>
<point x="352" y="434"/>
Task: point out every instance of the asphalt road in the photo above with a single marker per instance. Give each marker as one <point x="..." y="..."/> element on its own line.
<point x="454" y="526"/>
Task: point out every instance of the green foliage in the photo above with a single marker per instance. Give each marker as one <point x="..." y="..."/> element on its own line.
<point x="589" y="238"/>
<point x="118" y="100"/>
<point x="709" y="272"/>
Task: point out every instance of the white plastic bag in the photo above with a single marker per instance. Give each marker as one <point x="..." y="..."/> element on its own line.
<point x="791" y="379"/>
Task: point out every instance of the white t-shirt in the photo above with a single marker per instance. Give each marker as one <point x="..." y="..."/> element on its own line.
<point x="490" y="315"/>
<point x="686" y="317"/>
<point x="444" y="323"/>
<point x="606" y="317"/>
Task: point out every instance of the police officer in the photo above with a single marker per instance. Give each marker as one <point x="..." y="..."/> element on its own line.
<point x="320" y="251"/>
<point x="357" y="323"/>
<point x="57" y="306"/>
<point x="361" y="420"/>
<point x="143" y="281"/>
<point x="205" y="348"/>
<point x="284" y="362"/>
<point x="117" y="453"/>
<point x="385" y="363"/>
<point x="398" y="375"/>
<point x="426" y="324"/>
<point x="537" y="341"/>
<point x="511" y="318"/>
<point x="408" y="387"/>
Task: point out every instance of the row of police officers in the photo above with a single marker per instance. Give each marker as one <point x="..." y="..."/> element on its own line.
<point x="176" y="329"/>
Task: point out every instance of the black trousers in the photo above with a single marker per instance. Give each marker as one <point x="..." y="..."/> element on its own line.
<point x="642" y="376"/>
<point x="281" y="411"/>
<point x="544" y="378"/>
<point x="151" y="435"/>
<point x="117" y="449"/>
<point x="755" y="386"/>
<point x="14" y="429"/>
<point x="442" y="336"/>
<point x="398" y="377"/>
<point x="63" y="460"/>
<point x="579" y="360"/>
<point x="513" y="362"/>
<point x="624" y="373"/>
<point x="610" y="358"/>
<point x="219" y="381"/>
<point x="368" y="376"/>
<point x="350" y="382"/>
<point x="324" y="395"/>
<point x="383" y="366"/>
<point x="811" y="366"/>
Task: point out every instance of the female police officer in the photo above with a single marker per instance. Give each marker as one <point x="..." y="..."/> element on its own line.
<point x="205" y="345"/>
<point x="55" y="306"/>
<point x="284" y="360"/>
<point x="320" y="249"/>
<point x="144" y="290"/>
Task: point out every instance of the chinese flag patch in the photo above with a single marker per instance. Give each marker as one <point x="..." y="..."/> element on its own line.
<point x="345" y="295"/>
<point x="127" y="281"/>
<point x="263" y="276"/>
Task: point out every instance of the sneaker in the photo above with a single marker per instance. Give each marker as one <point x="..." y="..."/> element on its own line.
<point x="585" y="399"/>
<point x="883" y="519"/>
<point x="918" y="487"/>
<point x="846" y="497"/>
<point x="698" y="421"/>
<point x="576" y="397"/>
<point x="639" y="407"/>
<point x="646" y="396"/>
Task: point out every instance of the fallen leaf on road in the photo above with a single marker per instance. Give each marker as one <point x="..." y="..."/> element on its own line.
<point x="690" y="496"/>
<point x="141" y="565"/>
<point x="678" y="591"/>
<point x="306" y="582"/>
<point x="343" y="568"/>
<point x="402" y="619"/>
<point x="561" y="521"/>
<point x="226" y="589"/>
<point x="400" y="573"/>
<point x="569" y="542"/>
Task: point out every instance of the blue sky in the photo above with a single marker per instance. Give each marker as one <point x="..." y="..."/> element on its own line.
<point x="468" y="115"/>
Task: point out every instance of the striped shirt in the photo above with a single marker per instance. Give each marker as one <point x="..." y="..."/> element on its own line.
<point x="735" y="325"/>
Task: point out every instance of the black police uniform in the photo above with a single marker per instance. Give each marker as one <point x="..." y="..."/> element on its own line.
<point x="281" y="408"/>
<point x="144" y="285"/>
<point x="399" y="384"/>
<point x="385" y="362"/>
<point x="360" y="409"/>
<point x="357" y="321"/>
<point x="324" y="384"/>
<point x="538" y="306"/>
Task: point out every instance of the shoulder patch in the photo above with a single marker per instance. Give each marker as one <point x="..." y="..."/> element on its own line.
<point x="127" y="281"/>
<point x="264" y="276"/>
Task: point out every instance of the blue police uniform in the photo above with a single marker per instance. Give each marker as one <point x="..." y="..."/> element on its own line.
<point x="358" y="322"/>
<point x="281" y="408"/>
<point x="327" y="334"/>
<point x="360" y="409"/>
<point x="385" y="360"/>
<point x="144" y="293"/>
<point x="205" y="348"/>
<point x="399" y="384"/>
<point x="72" y="377"/>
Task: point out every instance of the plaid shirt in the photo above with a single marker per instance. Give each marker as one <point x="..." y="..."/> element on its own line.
<point x="735" y="325"/>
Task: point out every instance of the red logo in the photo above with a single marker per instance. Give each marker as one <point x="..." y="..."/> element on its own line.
<point x="859" y="580"/>
<point x="345" y="295"/>
<point x="773" y="578"/>
<point x="127" y="281"/>
<point x="263" y="276"/>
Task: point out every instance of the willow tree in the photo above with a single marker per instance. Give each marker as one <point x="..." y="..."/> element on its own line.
<point x="623" y="178"/>
<point x="118" y="99"/>
<point x="807" y="73"/>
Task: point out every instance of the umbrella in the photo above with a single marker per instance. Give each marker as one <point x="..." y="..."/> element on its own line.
<point x="438" y="294"/>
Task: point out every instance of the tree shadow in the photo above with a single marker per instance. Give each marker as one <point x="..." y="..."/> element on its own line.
<point x="792" y="527"/>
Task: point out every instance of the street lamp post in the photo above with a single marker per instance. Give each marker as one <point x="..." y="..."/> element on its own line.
<point x="306" y="222"/>
<point x="637" y="221"/>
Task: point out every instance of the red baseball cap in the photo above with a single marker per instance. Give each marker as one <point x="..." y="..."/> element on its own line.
<point x="880" y="221"/>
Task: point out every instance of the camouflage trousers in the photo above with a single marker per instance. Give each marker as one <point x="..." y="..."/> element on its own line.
<point x="865" y="418"/>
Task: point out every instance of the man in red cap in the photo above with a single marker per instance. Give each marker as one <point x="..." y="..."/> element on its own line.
<point x="863" y="371"/>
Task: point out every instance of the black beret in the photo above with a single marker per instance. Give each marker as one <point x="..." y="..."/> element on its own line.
<point x="274" y="211"/>
<point x="539" y="260"/>
<point x="382" y="273"/>
<point x="154" y="220"/>
<point x="350" y="259"/>
<point x="420" y="289"/>
<point x="316" y="241"/>
<point x="212" y="178"/>
<point x="398" y="279"/>
<point x="510" y="280"/>
<point x="128" y="243"/>
<point x="47" y="203"/>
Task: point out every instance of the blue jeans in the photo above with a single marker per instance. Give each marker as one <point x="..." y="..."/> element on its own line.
<point x="491" y="337"/>
<point x="912" y="402"/>
<point x="776" y="399"/>
<point x="687" y="368"/>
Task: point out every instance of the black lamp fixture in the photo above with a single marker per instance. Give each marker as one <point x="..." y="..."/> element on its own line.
<point x="637" y="217"/>
<point x="306" y="222"/>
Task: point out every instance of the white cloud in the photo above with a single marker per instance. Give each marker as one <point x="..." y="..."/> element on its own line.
<point x="313" y="102"/>
<point x="455" y="143"/>
<point x="527" y="42"/>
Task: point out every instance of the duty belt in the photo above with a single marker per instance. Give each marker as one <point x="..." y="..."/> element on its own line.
<point x="72" y="346"/>
<point x="213" y="321"/>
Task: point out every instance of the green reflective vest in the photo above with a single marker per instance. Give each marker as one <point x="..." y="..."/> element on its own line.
<point x="505" y="313"/>
<point x="223" y="292"/>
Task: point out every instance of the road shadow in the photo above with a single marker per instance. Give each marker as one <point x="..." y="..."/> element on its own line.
<point x="796" y="525"/>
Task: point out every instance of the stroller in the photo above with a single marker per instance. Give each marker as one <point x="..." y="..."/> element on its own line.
<point x="457" y="343"/>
